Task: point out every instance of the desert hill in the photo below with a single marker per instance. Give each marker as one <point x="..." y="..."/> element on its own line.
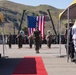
<point x="13" y="12"/>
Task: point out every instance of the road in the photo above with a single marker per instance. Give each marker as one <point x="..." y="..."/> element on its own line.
<point x="55" y="60"/>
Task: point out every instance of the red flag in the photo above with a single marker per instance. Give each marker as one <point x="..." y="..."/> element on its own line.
<point x="41" y="20"/>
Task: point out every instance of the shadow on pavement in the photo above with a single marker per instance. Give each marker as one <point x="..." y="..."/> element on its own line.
<point x="7" y="65"/>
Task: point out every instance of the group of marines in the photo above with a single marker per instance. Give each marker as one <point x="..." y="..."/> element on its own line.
<point x="34" y="38"/>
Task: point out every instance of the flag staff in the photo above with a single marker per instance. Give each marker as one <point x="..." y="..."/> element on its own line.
<point x="68" y="16"/>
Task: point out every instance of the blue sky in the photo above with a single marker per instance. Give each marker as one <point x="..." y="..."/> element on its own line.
<point x="61" y="4"/>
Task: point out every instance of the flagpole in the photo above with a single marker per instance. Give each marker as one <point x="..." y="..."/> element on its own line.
<point x="3" y="39"/>
<point x="60" y="36"/>
<point x="68" y="36"/>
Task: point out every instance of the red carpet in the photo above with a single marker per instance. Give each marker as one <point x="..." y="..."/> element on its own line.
<point x="30" y="66"/>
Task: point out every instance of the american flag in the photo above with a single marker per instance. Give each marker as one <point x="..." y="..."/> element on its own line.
<point x="31" y="21"/>
<point x="30" y="31"/>
<point x="40" y="24"/>
<point x="41" y="20"/>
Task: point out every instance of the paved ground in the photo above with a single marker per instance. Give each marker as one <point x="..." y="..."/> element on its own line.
<point x="54" y="64"/>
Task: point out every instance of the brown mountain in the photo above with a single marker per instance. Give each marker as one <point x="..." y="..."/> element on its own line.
<point x="13" y="12"/>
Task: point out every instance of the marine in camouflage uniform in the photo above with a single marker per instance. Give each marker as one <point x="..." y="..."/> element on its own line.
<point x="30" y="38"/>
<point x="9" y="40"/>
<point x="36" y="39"/>
<point x="49" y="39"/>
<point x="20" y="40"/>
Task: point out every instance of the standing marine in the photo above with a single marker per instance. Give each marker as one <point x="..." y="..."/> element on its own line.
<point x="20" y="40"/>
<point x="9" y="40"/>
<point x="30" y="38"/>
<point x="36" y="35"/>
<point x="49" y="39"/>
